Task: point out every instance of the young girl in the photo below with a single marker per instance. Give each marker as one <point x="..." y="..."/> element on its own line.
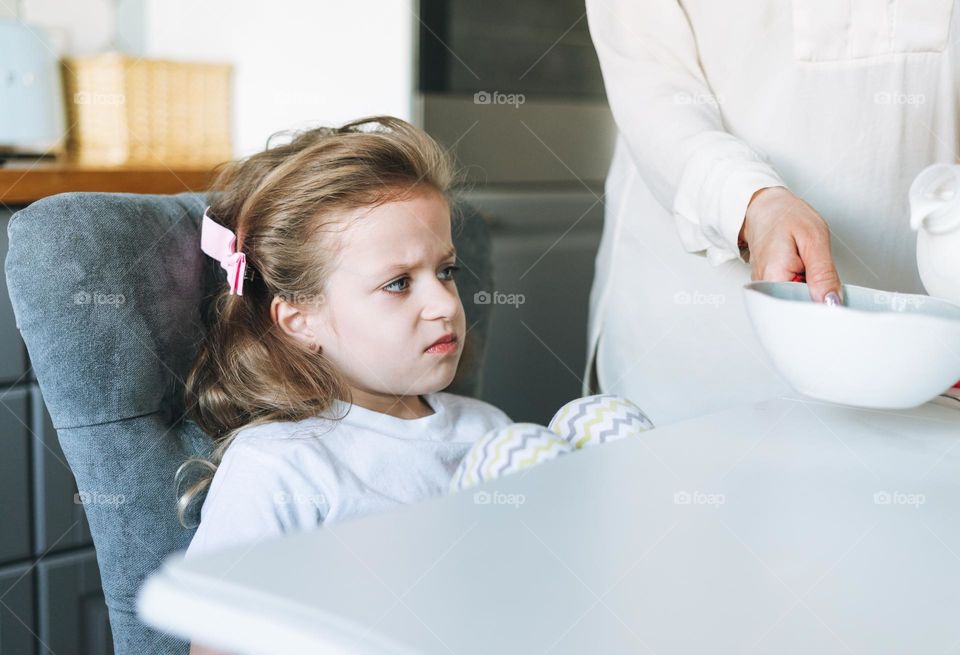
<point x="321" y="376"/>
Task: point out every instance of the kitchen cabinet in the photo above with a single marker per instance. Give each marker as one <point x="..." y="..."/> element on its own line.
<point x="18" y="623"/>
<point x="60" y="520"/>
<point x="73" y="616"/>
<point x="544" y="245"/>
<point x="14" y="475"/>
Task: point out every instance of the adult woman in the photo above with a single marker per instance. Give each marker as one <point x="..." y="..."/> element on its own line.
<point x="755" y="123"/>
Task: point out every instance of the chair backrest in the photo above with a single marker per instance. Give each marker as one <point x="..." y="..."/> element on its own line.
<point x="108" y="291"/>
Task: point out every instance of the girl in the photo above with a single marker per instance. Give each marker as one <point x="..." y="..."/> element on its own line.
<point x="321" y="373"/>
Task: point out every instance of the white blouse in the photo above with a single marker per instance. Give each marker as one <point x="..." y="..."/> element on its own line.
<point x="843" y="102"/>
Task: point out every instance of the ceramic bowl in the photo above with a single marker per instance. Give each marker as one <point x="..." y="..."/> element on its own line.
<point x="879" y="349"/>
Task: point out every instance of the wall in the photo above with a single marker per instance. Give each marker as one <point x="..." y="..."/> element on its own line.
<point x="82" y="27"/>
<point x="297" y="62"/>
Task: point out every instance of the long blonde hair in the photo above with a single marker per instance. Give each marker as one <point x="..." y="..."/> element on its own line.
<point x="283" y="204"/>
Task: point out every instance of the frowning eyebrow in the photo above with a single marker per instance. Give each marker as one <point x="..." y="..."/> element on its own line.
<point x="405" y="266"/>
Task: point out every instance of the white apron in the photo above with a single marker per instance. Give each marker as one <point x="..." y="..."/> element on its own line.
<point x="843" y="102"/>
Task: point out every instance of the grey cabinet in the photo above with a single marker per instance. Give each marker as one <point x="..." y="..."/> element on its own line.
<point x="60" y="519"/>
<point x="544" y="247"/>
<point x="18" y="625"/>
<point x="14" y="475"/>
<point x="73" y="616"/>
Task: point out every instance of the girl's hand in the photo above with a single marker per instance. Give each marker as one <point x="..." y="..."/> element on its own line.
<point x="788" y="240"/>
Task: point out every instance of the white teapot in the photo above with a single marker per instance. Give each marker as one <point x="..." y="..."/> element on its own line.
<point x="935" y="216"/>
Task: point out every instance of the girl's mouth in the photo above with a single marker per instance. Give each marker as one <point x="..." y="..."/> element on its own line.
<point x="445" y="345"/>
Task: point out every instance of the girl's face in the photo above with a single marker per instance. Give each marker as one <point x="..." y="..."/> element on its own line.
<point x="389" y="299"/>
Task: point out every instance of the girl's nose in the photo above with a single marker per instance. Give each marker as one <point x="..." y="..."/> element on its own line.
<point x="442" y="301"/>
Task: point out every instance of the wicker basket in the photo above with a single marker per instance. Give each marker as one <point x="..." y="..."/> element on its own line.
<point x="125" y="110"/>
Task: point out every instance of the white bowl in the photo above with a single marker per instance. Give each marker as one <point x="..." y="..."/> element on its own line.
<point x="880" y="349"/>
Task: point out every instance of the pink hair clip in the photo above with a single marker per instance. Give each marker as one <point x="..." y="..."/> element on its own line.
<point x="220" y="243"/>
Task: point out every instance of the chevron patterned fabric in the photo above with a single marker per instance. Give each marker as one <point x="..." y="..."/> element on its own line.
<point x="507" y="450"/>
<point x="594" y="420"/>
<point x="587" y="421"/>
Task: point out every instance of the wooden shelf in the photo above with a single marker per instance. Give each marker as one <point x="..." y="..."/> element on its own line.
<point x="21" y="183"/>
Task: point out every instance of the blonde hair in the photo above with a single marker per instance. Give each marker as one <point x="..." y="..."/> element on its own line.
<point x="283" y="203"/>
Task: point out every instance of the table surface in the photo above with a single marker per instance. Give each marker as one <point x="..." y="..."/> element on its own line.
<point x="789" y="526"/>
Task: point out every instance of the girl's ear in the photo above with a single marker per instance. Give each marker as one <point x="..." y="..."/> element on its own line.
<point x="297" y="322"/>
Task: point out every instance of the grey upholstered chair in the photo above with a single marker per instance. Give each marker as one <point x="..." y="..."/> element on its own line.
<point x="111" y="369"/>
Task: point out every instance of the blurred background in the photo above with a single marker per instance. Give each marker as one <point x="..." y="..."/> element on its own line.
<point x="146" y="96"/>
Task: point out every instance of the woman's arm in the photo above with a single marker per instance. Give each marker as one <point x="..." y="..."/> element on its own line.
<point x="670" y="120"/>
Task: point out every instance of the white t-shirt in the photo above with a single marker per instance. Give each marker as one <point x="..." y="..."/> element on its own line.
<point x="291" y="475"/>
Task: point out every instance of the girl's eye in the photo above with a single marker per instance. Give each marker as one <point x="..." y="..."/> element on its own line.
<point x="398" y="285"/>
<point x="403" y="283"/>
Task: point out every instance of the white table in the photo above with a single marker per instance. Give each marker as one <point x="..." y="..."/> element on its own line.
<point x="786" y="527"/>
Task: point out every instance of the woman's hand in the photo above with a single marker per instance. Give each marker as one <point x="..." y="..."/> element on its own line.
<point x="788" y="239"/>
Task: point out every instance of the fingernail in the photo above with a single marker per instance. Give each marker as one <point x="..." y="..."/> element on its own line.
<point x="832" y="299"/>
